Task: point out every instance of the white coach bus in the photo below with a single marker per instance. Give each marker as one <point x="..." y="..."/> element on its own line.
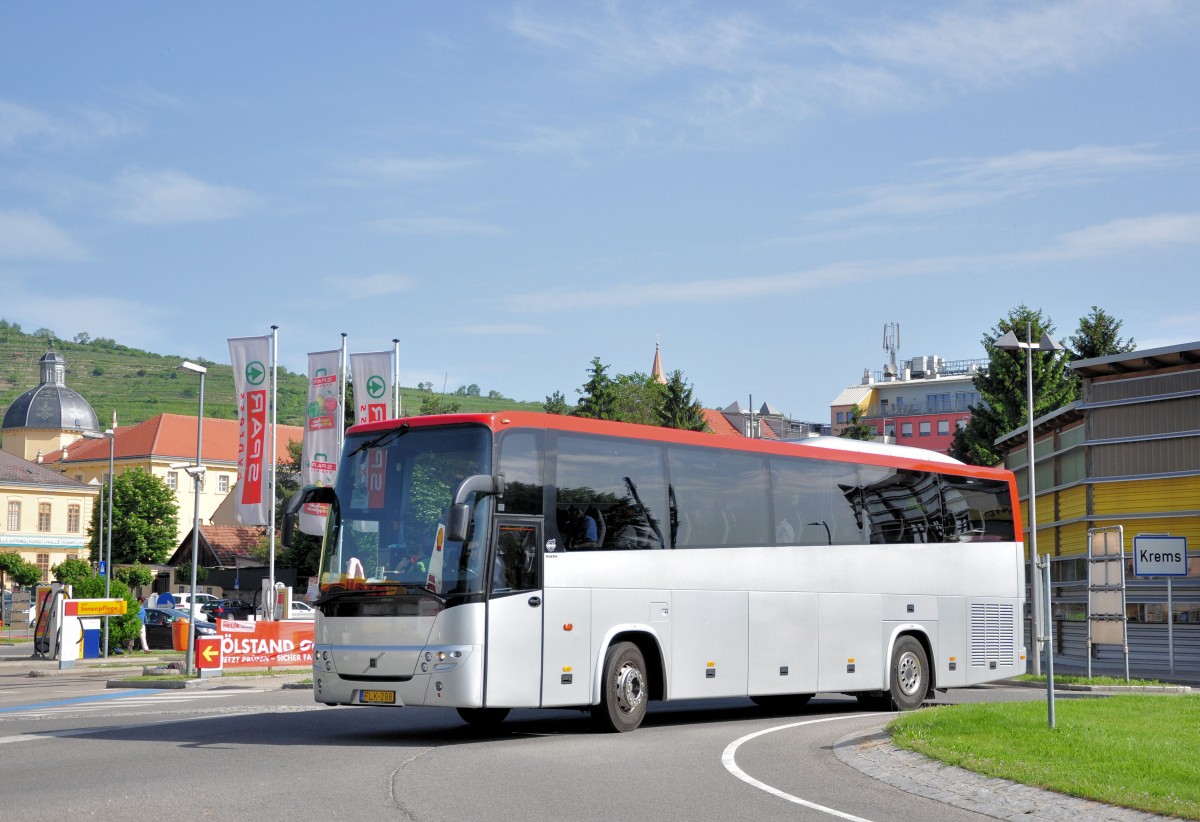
<point x="515" y="560"/>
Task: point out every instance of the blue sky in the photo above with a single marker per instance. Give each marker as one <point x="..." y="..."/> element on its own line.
<point x="513" y="189"/>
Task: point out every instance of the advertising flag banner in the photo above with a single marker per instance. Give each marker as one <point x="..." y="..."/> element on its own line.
<point x="319" y="453"/>
<point x="371" y="377"/>
<point x="250" y="356"/>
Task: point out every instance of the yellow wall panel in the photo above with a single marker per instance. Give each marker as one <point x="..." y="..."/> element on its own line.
<point x="1072" y="539"/>
<point x="1072" y="502"/>
<point x="1175" y="526"/>
<point x="1147" y="496"/>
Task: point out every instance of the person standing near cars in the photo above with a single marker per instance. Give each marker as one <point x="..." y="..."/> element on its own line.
<point x="142" y="623"/>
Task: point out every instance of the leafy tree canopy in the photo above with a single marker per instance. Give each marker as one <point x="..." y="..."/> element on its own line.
<point x="71" y="571"/>
<point x="556" y="403"/>
<point x="679" y="408"/>
<point x="18" y="569"/>
<point x="598" y="396"/>
<point x="1003" y="389"/>
<point x="1098" y="335"/>
<point x="145" y="519"/>
<point x="855" y="428"/>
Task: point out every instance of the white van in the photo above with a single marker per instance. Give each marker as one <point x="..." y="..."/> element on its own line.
<point x="183" y="601"/>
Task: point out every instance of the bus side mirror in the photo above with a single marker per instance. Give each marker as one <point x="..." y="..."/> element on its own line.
<point x="460" y="519"/>
<point x="460" y="513"/>
<point x="320" y="495"/>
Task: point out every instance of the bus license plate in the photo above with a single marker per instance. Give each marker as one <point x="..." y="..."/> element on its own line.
<point x="378" y="697"/>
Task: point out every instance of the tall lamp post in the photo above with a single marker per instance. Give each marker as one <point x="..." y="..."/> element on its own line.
<point x="111" y="436"/>
<point x="196" y="472"/>
<point x="1009" y="342"/>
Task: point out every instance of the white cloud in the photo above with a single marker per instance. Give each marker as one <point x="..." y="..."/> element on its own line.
<point x="502" y="329"/>
<point x="373" y="285"/>
<point x="28" y="236"/>
<point x="990" y="43"/>
<point x="158" y="197"/>
<point x="22" y="125"/>
<point x="958" y="184"/>
<point x="436" y="226"/>
<point x="736" y="77"/>
<point x="381" y="170"/>
<point x="1135" y="233"/>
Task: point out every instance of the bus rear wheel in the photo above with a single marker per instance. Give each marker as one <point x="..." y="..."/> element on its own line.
<point x="483" y="717"/>
<point x="909" y="677"/>
<point x="625" y="690"/>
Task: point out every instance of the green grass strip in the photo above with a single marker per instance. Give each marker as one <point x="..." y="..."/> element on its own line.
<point x="1133" y="751"/>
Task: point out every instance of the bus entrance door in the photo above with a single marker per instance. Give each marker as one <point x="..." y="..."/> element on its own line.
<point x="514" y="615"/>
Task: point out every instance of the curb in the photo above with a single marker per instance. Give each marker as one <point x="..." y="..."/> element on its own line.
<point x="1112" y="690"/>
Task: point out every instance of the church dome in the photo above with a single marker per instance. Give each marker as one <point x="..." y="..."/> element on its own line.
<point x="51" y="405"/>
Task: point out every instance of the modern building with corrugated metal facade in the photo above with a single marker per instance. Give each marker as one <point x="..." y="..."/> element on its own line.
<point x="1126" y="453"/>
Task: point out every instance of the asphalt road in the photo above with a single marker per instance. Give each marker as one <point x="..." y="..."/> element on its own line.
<point x="70" y="749"/>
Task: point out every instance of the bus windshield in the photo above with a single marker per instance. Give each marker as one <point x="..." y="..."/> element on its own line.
<point x="388" y="527"/>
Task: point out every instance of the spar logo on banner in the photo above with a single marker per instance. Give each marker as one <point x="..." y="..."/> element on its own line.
<point x="255" y="445"/>
<point x="249" y="355"/>
<point x="372" y="389"/>
<point x="374" y="411"/>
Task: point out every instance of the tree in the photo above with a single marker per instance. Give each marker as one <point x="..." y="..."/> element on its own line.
<point x="1097" y="336"/>
<point x="437" y="404"/>
<point x="855" y="428"/>
<point x="145" y="519"/>
<point x="679" y="409"/>
<point x="304" y="553"/>
<point x="556" y="403"/>
<point x="184" y="571"/>
<point x="122" y="630"/>
<point x="1003" y="385"/>
<point x="597" y="398"/>
<point x="71" y="571"/>
<point x="135" y="576"/>
<point x="83" y="338"/>
<point x="637" y="398"/>
<point x="21" y="571"/>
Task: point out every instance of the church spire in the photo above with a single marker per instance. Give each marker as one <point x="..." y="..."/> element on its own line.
<point x="656" y="370"/>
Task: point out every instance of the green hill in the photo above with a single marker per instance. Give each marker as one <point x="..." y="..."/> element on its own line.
<point x="138" y="384"/>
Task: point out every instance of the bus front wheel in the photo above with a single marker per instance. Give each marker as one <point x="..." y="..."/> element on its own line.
<point x="624" y="692"/>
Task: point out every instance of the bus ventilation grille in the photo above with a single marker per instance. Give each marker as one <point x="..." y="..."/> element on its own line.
<point x="993" y="635"/>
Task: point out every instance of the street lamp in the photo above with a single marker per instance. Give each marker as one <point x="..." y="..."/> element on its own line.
<point x="1009" y="342"/>
<point x="111" y="436"/>
<point x="196" y="472"/>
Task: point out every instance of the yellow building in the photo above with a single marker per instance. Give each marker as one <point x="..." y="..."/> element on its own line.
<point x="157" y="444"/>
<point x="45" y="515"/>
<point x="1127" y="453"/>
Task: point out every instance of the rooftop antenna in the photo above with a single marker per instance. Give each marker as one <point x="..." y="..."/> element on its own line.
<point x="891" y="344"/>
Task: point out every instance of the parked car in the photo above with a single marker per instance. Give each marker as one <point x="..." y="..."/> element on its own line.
<point x="182" y="600"/>
<point x="227" y="609"/>
<point x="158" y="627"/>
<point x="300" y="610"/>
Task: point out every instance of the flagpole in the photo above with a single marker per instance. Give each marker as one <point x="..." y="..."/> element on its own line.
<point x="342" y="383"/>
<point x="396" y="410"/>
<point x="274" y="460"/>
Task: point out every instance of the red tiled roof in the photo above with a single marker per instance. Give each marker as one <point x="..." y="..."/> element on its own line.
<point x="220" y="545"/>
<point x="718" y="424"/>
<point x="173" y="436"/>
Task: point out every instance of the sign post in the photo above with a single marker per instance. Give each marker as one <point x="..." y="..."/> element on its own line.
<point x="1106" y="591"/>
<point x="1162" y="555"/>
<point x="208" y="656"/>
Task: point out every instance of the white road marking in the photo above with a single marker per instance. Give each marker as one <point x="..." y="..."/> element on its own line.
<point x="730" y="752"/>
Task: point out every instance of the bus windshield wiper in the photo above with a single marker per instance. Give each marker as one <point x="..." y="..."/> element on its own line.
<point x="395" y="433"/>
